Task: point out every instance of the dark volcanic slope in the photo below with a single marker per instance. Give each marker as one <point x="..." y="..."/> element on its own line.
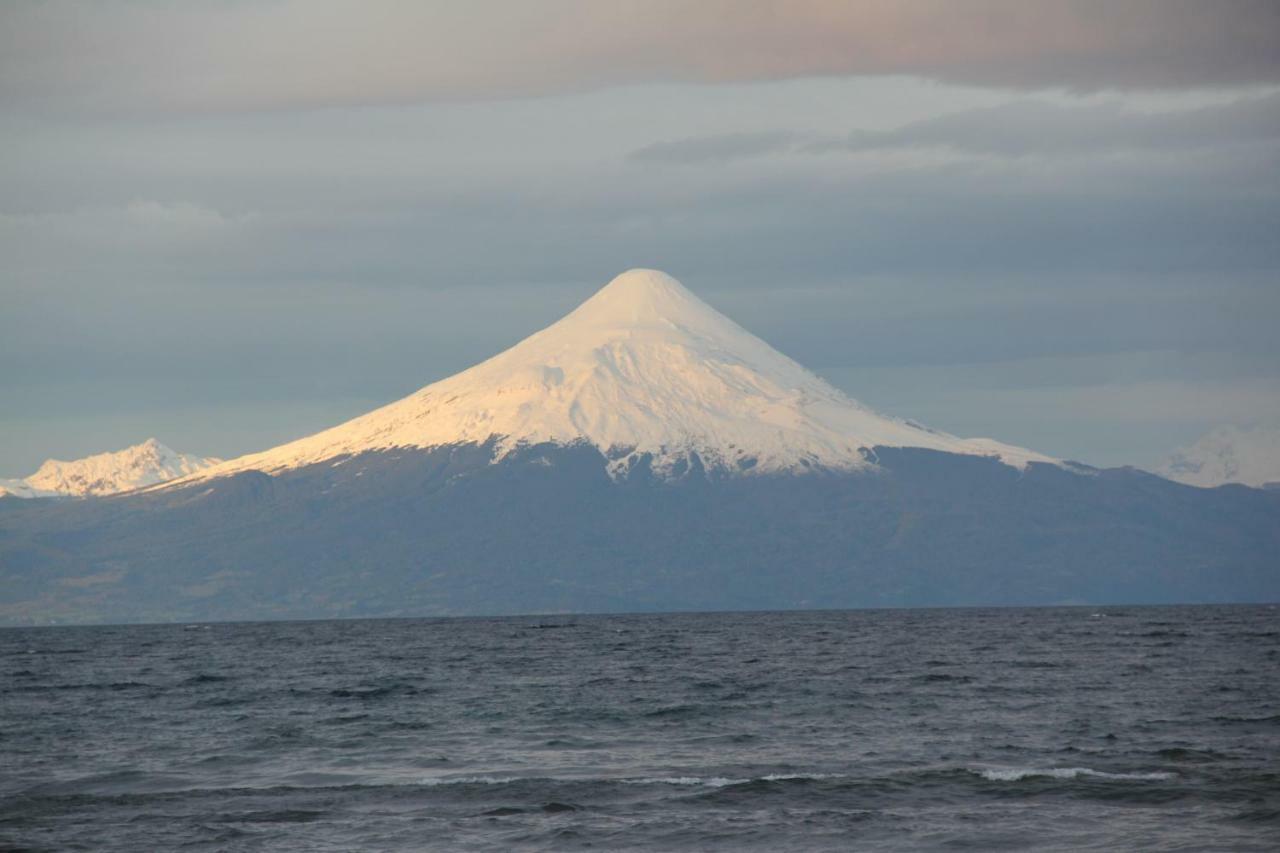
<point x="445" y="532"/>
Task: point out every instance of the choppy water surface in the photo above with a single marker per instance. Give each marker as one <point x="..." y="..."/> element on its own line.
<point x="1071" y="729"/>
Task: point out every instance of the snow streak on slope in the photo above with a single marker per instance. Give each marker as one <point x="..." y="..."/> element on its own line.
<point x="108" y="473"/>
<point x="1227" y="454"/>
<point x="642" y="368"/>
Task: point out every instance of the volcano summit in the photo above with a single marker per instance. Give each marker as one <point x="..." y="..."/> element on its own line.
<point x="643" y="453"/>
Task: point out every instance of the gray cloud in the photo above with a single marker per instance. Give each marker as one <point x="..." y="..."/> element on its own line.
<point x="102" y="57"/>
<point x="1039" y="128"/>
<point x="195" y="305"/>
<point x="228" y="281"/>
<point x="763" y="228"/>
<point x="720" y="148"/>
<point x="1015" y="129"/>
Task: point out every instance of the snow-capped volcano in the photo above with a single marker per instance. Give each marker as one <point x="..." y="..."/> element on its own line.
<point x="489" y="492"/>
<point x="134" y="467"/>
<point x="641" y="370"/>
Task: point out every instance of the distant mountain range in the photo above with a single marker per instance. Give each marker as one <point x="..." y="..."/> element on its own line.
<point x="643" y="453"/>
<point x="134" y="467"/>
<point x="1228" y="454"/>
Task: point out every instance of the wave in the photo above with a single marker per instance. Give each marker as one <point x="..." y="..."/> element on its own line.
<point x="1274" y="718"/>
<point x="433" y="781"/>
<point x="681" y="781"/>
<point x="725" y="782"/>
<point x="1017" y="774"/>
<point x="990" y="774"/>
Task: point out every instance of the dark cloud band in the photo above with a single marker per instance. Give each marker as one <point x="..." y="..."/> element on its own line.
<point x="90" y="56"/>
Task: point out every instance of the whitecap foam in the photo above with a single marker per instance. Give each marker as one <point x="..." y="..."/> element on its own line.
<point x="432" y="781"/>
<point x="724" y="781"/>
<point x="691" y="781"/>
<point x="703" y="781"/>
<point x="685" y="781"/>
<point x="1015" y="774"/>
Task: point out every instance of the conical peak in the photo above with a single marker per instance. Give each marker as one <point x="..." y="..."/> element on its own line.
<point x="642" y="284"/>
<point x="641" y="297"/>
<point x="642" y="367"/>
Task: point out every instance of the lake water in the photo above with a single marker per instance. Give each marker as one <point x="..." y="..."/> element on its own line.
<point x="1055" y="729"/>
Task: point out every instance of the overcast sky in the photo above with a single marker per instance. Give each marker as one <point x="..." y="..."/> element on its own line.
<point x="229" y="224"/>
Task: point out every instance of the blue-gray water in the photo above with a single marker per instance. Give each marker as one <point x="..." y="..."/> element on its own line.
<point x="1070" y="729"/>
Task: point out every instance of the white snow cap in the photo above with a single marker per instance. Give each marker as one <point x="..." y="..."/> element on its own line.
<point x="641" y="368"/>
<point x="134" y="467"/>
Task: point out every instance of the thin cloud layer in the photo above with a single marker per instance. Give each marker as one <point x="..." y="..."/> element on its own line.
<point x="1030" y="127"/>
<point x="75" y="55"/>
<point x="718" y="148"/>
<point x="1015" y="129"/>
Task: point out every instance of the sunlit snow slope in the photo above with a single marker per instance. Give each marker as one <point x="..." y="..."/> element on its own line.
<point x="642" y="367"/>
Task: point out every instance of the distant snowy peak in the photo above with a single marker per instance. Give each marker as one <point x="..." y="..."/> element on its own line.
<point x="134" y="467"/>
<point x="646" y="372"/>
<point x="1227" y="454"/>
